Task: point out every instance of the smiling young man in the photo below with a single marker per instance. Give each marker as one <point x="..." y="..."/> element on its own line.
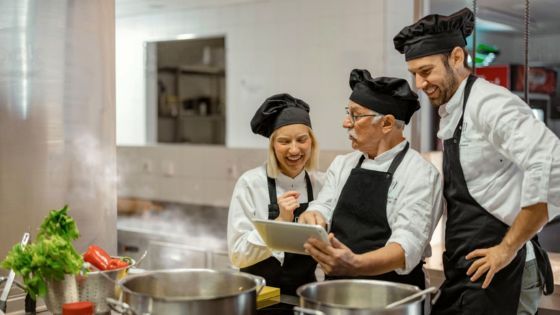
<point x="501" y="175"/>
<point x="383" y="201"/>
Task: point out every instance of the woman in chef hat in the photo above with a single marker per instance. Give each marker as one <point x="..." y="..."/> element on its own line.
<point x="278" y="190"/>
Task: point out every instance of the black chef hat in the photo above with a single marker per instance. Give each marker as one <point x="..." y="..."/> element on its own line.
<point x="383" y="95"/>
<point x="435" y="34"/>
<point x="277" y="111"/>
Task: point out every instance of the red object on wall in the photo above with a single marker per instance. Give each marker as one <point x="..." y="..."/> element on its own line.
<point x="541" y="79"/>
<point x="512" y="77"/>
<point x="496" y="74"/>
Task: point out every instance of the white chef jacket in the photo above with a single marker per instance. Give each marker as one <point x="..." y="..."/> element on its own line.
<point x="250" y="200"/>
<point x="414" y="201"/>
<point x="509" y="158"/>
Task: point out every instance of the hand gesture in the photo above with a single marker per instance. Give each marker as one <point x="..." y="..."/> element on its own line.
<point x="287" y="203"/>
<point x="490" y="261"/>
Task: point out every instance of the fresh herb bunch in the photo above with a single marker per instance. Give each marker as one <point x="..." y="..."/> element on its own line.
<point x="50" y="257"/>
<point x="58" y="222"/>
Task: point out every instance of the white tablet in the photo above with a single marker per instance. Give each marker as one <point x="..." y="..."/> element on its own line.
<point x="288" y="237"/>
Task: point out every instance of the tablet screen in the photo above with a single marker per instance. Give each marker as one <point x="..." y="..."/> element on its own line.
<point x="288" y="237"/>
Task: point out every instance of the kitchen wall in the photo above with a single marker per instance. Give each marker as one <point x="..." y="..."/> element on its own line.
<point x="200" y="175"/>
<point x="304" y="47"/>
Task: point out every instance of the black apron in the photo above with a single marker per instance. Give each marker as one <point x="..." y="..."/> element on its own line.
<point x="297" y="269"/>
<point x="360" y="218"/>
<point x="469" y="226"/>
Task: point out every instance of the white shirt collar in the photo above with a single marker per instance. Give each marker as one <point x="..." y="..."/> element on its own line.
<point x="455" y="102"/>
<point x="282" y="178"/>
<point x="389" y="154"/>
<point x="450" y="113"/>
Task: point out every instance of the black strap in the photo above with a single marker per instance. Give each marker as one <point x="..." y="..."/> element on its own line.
<point x="467" y="92"/>
<point x="309" y="188"/>
<point x="396" y="161"/>
<point x="545" y="269"/>
<point x="271" y="190"/>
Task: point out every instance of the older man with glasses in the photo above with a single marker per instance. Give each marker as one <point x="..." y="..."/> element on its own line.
<point x="383" y="200"/>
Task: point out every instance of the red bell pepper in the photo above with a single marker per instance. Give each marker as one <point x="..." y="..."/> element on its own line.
<point x="116" y="263"/>
<point x="96" y="256"/>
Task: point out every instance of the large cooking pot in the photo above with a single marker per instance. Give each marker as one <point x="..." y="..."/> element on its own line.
<point x="358" y="297"/>
<point x="189" y="291"/>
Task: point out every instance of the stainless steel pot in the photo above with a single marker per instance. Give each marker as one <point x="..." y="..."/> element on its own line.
<point x="357" y="297"/>
<point x="189" y="291"/>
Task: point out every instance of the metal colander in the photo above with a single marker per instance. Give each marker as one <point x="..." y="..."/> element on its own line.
<point x="92" y="287"/>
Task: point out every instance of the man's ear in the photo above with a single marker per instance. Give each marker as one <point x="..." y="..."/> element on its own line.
<point x="457" y="56"/>
<point x="389" y="122"/>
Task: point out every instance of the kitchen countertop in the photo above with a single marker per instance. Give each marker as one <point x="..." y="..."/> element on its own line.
<point x="284" y="307"/>
<point x="434" y="266"/>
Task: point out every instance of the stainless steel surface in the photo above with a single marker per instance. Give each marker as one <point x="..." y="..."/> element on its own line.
<point x="57" y="117"/>
<point x="179" y="236"/>
<point x="411" y="297"/>
<point x="359" y="297"/>
<point x="11" y="276"/>
<point x="192" y="291"/>
<point x="300" y="310"/>
<point x="95" y="286"/>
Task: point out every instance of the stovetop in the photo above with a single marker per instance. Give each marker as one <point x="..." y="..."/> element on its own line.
<point x="284" y="307"/>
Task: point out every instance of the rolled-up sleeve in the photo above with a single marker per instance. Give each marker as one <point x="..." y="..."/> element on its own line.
<point x="513" y="129"/>
<point x="417" y="203"/>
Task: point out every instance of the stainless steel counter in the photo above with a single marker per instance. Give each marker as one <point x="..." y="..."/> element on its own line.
<point x="181" y="236"/>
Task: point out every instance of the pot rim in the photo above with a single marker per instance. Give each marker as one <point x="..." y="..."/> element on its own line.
<point x="182" y="299"/>
<point x="413" y="288"/>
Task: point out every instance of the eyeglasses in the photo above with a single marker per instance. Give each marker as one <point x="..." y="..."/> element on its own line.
<point x="353" y="117"/>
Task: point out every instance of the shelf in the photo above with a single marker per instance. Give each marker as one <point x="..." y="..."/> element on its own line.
<point x="201" y="117"/>
<point x="195" y="70"/>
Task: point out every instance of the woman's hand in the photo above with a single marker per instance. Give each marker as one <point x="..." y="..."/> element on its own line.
<point x="287" y="203"/>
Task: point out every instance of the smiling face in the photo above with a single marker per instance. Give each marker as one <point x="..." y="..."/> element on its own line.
<point x="366" y="131"/>
<point x="437" y="76"/>
<point x="292" y="147"/>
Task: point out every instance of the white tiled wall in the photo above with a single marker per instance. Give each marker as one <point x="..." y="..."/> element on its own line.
<point x="202" y="175"/>
<point x="304" y="47"/>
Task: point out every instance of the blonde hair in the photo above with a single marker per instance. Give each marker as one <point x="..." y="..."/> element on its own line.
<point x="272" y="167"/>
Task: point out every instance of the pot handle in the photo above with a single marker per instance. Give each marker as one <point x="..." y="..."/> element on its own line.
<point x="302" y="310"/>
<point x="139" y="261"/>
<point x="411" y="297"/>
<point x="261" y="283"/>
<point x="119" y="307"/>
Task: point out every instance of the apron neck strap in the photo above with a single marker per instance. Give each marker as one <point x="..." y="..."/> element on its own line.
<point x="396" y="161"/>
<point x="468" y="87"/>
<point x="272" y="189"/>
